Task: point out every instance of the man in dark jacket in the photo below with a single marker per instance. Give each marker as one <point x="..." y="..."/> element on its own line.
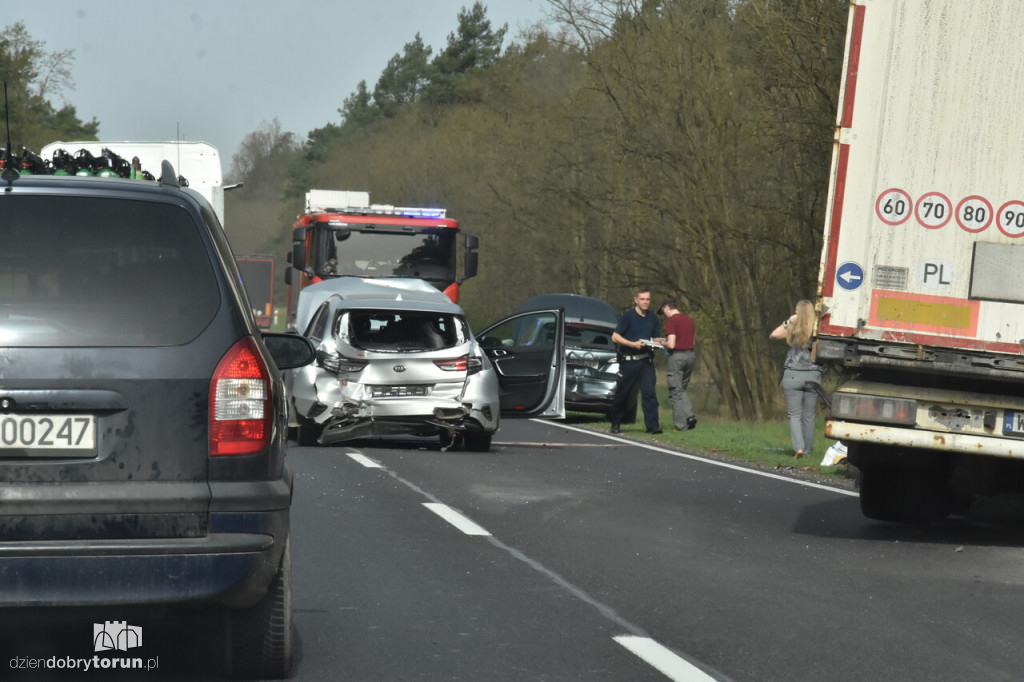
<point x="637" y="335"/>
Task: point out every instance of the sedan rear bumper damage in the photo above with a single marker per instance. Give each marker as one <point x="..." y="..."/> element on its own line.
<point x="350" y="421"/>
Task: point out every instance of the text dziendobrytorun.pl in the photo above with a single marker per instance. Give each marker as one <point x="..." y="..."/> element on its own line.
<point x="86" y="664"/>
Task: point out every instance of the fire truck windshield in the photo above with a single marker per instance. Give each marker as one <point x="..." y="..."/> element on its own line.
<point x="426" y="254"/>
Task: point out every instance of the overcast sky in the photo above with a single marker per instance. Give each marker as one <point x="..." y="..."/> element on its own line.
<point x="215" y="70"/>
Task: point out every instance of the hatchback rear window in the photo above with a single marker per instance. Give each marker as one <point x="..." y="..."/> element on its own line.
<point x="402" y="330"/>
<point x="85" y="271"/>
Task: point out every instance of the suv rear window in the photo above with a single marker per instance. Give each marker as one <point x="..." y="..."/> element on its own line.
<point x="86" y="271"/>
<point x="403" y="330"/>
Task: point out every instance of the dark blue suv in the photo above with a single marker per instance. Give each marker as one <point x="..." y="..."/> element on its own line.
<point x="142" y="416"/>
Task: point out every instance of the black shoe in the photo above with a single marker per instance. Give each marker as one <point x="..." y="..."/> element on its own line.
<point x="615" y="428"/>
<point x="654" y="432"/>
<point x="691" y="423"/>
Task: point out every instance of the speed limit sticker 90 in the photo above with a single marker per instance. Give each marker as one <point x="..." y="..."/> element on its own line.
<point x="1010" y="219"/>
<point x="893" y="206"/>
<point x="974" y="214"/>
<point x="933" y="210"/>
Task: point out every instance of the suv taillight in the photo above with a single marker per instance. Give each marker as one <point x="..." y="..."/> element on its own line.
<point x="240" y="402"/>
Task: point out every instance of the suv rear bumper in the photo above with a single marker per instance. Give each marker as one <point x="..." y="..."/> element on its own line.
<point x="232" y="568"/>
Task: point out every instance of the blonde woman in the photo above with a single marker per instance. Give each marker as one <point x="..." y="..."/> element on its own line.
<point x="801" y="403"/>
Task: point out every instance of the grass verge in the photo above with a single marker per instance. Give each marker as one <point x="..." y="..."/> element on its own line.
<point x="762" y="445"/>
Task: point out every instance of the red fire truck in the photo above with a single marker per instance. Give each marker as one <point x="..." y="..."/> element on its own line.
<point x="342" y="235"/>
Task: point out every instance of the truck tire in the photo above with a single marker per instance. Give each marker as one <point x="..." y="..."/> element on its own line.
<point x="259" y="639"/>
<point x="903" y="494"/>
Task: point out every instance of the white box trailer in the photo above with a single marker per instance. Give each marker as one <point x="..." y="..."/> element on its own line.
<point x="921" y="284"/>
<point x="197" y="162"/>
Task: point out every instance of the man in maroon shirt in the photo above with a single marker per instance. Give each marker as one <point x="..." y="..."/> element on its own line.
<point x="679" y="342"/>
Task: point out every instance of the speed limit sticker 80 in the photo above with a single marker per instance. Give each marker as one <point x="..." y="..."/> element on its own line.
<point x="974" y="214"/>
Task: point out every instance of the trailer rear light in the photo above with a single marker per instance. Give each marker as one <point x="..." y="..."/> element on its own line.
<point x="455" y="364"/>
<point x="872" y="408"/>
<point x="240" y="410"/>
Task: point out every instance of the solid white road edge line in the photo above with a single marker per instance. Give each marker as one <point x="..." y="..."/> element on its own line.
<point x="364" y="460"/>
<point x="662" y="659"/>
<point x="698" y="458"/>
<point x="455" y="518"/>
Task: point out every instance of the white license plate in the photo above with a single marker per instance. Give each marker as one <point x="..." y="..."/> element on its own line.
<point x="592" y="364"/>
<point x="47" y="432"/>
<point x="1013" y="423"/>
<point x="399" y="391"/>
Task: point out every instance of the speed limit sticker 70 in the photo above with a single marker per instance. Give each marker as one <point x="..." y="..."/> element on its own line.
<point x="1010" y="219"/>
<point x="974" y="214"/>
<point x="893" y="206"/>
<point x="933" y="210"/>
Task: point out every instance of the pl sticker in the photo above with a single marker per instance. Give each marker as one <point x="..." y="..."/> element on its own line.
<point x="937" y="274"/>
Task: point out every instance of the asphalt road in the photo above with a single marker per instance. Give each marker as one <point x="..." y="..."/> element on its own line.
<point x="566" y="554"/>
<point x="605" y="560"/>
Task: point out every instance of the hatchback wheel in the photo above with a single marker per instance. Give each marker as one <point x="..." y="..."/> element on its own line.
<point x="308" y="433"/>
<point x="477" y="441"/>
<point x="259" y="638"/>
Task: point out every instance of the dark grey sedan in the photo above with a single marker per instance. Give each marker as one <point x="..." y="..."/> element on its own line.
<point x="591" y="364"/>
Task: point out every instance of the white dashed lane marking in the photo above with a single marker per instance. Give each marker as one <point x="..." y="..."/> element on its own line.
<point x="455" y="518"/>
<point x="663" y="659"/>
<point x="364" y="460"/>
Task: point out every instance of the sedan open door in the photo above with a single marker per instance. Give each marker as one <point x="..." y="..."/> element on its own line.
<point x="528" y="354"/>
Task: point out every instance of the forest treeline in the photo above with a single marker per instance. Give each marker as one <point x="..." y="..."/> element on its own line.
<point x="679" y="145"/>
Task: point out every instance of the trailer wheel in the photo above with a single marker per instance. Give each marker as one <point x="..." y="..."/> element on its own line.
<point x="903" y="494"/>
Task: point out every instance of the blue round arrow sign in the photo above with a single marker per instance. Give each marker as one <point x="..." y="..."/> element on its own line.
<point x="850" y="276"/>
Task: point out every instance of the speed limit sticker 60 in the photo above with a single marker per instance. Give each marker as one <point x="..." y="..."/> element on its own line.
<point x="893" y="206"/>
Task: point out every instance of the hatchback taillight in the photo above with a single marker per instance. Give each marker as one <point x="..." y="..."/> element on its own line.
<point x="240" y="402"/>
<point x="454" y="364"/>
